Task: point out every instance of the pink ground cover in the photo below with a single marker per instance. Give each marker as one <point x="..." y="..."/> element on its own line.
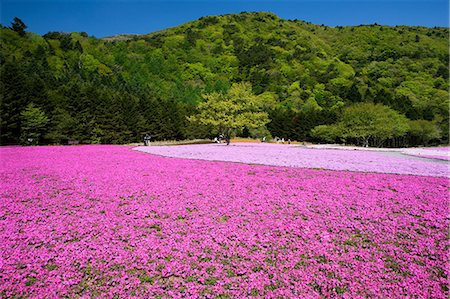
<point x="109" y="222"/>
<point x="440" y="148"/>
<point x="296" y="156"/>
<point x="445" y="158"/>
<point x="439" y="153"/>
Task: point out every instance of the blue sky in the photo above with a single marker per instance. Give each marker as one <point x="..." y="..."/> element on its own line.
<point x="104" y="18"/>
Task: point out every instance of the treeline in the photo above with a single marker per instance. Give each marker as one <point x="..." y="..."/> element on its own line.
<point x="69" y="86"/>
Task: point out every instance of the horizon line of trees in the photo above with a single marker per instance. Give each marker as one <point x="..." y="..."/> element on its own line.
<point x="366" y="85"/>
<point x="239" y="113"/>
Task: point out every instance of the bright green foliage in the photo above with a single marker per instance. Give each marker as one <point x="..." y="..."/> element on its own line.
<point x="365" y="123"/>
<point x="34" y="121"/>
<point x="230" y="112"/>
<point x="426" y="100"/>
<point x="115" y="89"/>
<point x="368" y="122"/>
<point x="327" y="133"/>
<point x="423" y="131"/>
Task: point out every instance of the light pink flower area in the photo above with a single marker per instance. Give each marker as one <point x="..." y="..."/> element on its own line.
<point x="440" y="148"/>
<point x="438" y="153"/>
<point x="296" y="156"/>
<point x="445" y="158"/>
<point x="109" y="222"/>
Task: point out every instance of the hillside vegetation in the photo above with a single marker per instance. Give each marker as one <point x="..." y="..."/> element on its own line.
<point x="69" y="86"/>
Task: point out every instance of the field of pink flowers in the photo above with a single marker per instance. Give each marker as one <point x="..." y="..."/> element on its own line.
<point x="109" y="222"/>
<point x="438" y="153"/>
<point x="296" y="156"/>
<point x="437" y="157"/>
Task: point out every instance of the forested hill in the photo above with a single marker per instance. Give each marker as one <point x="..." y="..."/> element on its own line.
<point x="69" y="86"/>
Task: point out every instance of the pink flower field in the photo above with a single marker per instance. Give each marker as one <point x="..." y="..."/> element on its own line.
<point x="110" y="222"/>
<point x="297" y="156"/>
<point x="438" y="153"/>
<point x="446" y="158"/>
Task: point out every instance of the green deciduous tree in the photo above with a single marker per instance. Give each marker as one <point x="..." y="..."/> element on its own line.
<point x="229" y="112"/>
<point x="327" y="133"/>
<point x="425" y="100"/>
<point x="365" y="123"/>
<point x="423" y="131"/>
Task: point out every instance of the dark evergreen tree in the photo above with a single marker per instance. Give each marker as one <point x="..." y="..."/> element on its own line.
<point x="18" y="26"/>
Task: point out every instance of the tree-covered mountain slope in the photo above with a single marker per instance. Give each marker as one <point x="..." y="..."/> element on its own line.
<point x="117" y="88"/>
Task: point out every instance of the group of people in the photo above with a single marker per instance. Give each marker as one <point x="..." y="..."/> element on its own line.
<point x="221" y="138"/>
<point x="278" y="140"/>
<point x="147" y="139"/>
